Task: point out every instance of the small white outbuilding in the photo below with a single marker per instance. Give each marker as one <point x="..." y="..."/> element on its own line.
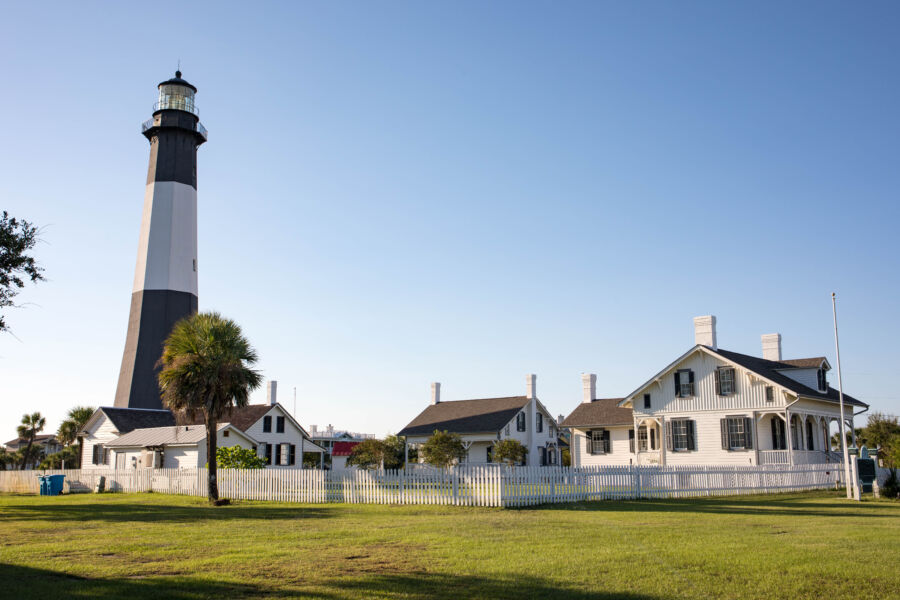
<point x="176" y="447"/>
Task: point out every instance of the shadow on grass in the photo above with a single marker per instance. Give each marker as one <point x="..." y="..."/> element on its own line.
<point x="431" y="586"/>
<point x="743" y="505"/>
<point x="124" y="512"/>
<point x="28" y="582"/>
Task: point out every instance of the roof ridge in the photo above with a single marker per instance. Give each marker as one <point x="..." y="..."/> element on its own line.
<point x="483" y="399"/>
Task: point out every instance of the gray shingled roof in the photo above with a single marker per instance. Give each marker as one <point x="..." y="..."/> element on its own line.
<point x="163" y="436"/>
<point x="600" y="412"/>
<point x="486" y="415"/>
<point x="242" y="418"/>
<point x="129" y="419"/>
<point x="770" y="369"/>
<point x="803" y="363"/>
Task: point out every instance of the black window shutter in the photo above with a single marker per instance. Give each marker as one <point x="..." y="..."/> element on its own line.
<point x="691" y="381"/>
<point x="775" y="433"/>
<point x="669" y="444"/>
<point x="677" y="384"/>
<point x="293" y="459"/>
<point x="631" y="440"/>
<point x="279" y="424"/>
<point x="587" y="441"/>
<point x="718" y="383"/>
<point x="267" y="424"/>
<point x="607" y="445"/>
<point x="692" y="440"/>
<point x="724" y="425"/>
<point x="277" y="454"/>
<point x="653" y="444"/>
<point x="748" y="433"/>
<point x="268" y="454"/>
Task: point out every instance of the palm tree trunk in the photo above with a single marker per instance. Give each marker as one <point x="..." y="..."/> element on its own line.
<point x="26" y="454"/>
<point x="212" y="482"/>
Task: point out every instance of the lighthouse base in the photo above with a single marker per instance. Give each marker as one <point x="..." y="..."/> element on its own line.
<point x="153" y="315"/>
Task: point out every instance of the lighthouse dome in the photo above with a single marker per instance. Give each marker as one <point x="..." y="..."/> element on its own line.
<point x="176" y="94"/>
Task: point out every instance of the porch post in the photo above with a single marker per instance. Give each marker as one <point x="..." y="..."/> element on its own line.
<point x="661" y="440"/>
<point x="789" y="436"/>
<point x="756" y="435"/>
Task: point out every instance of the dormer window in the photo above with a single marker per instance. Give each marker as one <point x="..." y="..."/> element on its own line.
<point x="822" y="379"/>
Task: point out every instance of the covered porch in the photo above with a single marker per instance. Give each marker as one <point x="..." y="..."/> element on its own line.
<point x="787" y="437"/>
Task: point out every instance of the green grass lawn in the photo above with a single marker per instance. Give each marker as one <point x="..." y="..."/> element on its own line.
<point x="815" y="545"/>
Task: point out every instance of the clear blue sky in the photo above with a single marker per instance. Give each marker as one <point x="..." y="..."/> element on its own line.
<point x="400" y="193"/>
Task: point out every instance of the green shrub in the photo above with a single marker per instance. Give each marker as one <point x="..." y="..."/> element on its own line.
<point x="891" y="487"/>
<point x="236" y="457"/>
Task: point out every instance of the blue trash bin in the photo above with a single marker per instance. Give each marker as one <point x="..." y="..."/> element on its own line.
<point x="44" y="485"/>
<point x="55" y="484"/>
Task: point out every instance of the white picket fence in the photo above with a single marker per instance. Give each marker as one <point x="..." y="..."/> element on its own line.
<point x="487" y="485"/>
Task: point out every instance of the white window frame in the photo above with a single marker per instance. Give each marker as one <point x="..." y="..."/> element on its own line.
<point x="685" y="385"/>
<point x="598" y="445"/>
<point x="680" y="433"/>
<point x="736" y="428"/>
<point x="643" y="436"/>
<point x="722" y="381"/>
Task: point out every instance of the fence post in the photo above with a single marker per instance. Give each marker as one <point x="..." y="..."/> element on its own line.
<point x="637" y="482"/>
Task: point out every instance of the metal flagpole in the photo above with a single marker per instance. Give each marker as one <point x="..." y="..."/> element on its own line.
<point x="837" y="350"/>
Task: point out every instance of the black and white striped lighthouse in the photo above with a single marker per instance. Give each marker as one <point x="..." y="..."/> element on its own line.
<point x="165" y="279"/>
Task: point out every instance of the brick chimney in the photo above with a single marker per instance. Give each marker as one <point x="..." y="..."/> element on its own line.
<point x="589" y="385"/>
<point x="771" y="346"/>
<point x="435" y="393"/>
<point x="705" y="331"/>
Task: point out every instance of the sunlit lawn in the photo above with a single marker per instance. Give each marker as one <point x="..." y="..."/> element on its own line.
<point x="154" y="546"/>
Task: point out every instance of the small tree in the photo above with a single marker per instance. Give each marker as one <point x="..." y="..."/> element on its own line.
<point x="312" y="460"/>
<point x="566" y="457"/>
<point x="236" y="457"/>
<point x="368" y="454"/>
<point x="443" y="448"/>
<point x="67" y="433"/>
<point x="31" y="425"/>
<point x="16" y="239"/>
<point x="68" y="456"/>
<point x="394" y="452"/>
<point x="6" y="458"/>
<point x="509" y="451"/>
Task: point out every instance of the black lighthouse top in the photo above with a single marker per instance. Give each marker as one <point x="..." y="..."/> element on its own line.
<point x="176" y="94"/>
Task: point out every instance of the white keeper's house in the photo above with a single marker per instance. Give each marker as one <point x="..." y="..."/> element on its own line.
<point x="716" y="407"/>
<point x="483" y="421"/>
<point x="269" y="428"/>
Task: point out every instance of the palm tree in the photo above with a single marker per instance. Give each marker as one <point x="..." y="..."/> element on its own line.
<point x="74" y="422"/>
<point x="31" y="425"/>
<point x="206" y="369"/>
